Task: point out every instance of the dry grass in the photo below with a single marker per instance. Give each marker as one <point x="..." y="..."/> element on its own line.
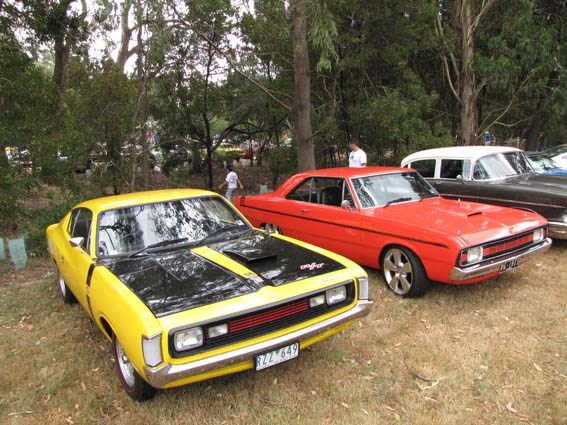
<point x="492" y="353"/>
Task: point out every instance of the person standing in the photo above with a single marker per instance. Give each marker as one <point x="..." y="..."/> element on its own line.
<point x="231" y="182"/>
<point x="357" y="157"/>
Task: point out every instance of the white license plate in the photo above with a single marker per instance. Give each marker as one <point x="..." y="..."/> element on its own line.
<point x="274" y="357"/>
<point x="508" y="265"/>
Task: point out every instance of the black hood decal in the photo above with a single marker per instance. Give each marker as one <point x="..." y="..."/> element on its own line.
<point x="172" y="283"/>
<point x="283" y="262"/>
<point x="180" y="280"/>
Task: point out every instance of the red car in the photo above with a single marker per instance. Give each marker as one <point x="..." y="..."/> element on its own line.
<point x="393" y="219"/>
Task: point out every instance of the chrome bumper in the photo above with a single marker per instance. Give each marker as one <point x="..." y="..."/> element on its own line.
<point x="557" y="230"/>
<point x="162" y="375"/>
<point x="479" y="270"/>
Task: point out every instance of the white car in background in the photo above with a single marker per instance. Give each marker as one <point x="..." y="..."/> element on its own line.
<point x="558" y="154"/>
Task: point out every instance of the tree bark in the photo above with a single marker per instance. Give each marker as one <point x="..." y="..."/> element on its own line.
<point x="302" y="89"/>
<point x="125" y="35"/>
<point x="467" y="81"/>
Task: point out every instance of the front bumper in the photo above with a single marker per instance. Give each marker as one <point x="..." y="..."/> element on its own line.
<point x="478" y="270"/>
<point x="557" y="230"/>
<point x="162" y="375"/>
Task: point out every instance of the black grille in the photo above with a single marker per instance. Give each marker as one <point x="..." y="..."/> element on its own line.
<point x="293" y="312"/>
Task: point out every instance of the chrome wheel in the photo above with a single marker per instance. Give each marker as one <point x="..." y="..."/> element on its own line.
<point x="125" y="366"/>
<point x="131" y="381"/>
<point x="67" y="295"/>
<point x="404" y="273"/>
<point x="398" y="271"/>
<point x="272" y="228"/>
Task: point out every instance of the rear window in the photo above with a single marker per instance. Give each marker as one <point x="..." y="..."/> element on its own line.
<point x="452" y="168"/>
<point x="425" y="167"/>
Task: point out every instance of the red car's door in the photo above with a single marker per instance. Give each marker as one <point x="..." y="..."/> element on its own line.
<point x="314" y="213"/>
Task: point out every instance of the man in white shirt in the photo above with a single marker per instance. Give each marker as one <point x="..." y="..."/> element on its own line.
<point x="231" y="182"/>
<point x="357" y="157"/>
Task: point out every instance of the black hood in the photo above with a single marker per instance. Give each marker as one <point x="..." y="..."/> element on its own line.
<point x="184" y="279"/>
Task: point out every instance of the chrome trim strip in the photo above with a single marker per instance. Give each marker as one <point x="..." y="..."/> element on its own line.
<point x="478" y="270"/>
<point x="557" y="230"/>
<point x="162" y="375"/>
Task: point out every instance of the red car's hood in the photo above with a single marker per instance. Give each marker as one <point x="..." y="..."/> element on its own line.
<point x="470" y="222"/>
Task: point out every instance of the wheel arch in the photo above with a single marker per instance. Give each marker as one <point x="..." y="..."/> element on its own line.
<point x="399" y="245"/>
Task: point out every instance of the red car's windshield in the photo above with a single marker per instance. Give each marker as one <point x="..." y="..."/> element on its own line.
<point x="386" y="189"/>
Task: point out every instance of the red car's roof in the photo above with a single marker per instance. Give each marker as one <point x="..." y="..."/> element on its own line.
<point x="351" y="172"/>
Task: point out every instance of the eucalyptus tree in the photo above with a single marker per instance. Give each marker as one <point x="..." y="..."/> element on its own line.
<point x="501" y="60"/>
<point x="377" y="91"/>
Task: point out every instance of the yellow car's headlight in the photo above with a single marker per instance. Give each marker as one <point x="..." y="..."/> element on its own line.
<point x="187" y="339"/>
<point x="336" y="295"/>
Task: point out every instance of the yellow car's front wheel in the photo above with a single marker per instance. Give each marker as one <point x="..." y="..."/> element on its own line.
<point x="130" y="379"/>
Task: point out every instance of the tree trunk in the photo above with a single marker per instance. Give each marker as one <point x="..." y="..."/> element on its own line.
<point x="537" y="123"/>
<point x="125" y="34"/>
<point x="141" y="121"/>
<point x="467" y="80"/>
<point x="302" y="89"/>
<point x="62" y="52"/>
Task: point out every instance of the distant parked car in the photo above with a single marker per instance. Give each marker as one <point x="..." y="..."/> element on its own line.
<point x="558" y="154"/>
<point x="543" y="164"/>
<point x="495" y="175"/>
<point x="392" y="219"/>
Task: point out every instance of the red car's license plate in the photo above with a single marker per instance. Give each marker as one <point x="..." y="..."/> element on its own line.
<point x="508" y="265"/>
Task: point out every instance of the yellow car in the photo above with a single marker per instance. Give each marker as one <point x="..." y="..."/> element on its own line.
<point x="186" y="289"/>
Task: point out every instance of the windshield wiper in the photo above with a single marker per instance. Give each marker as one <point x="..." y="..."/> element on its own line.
<point x="217" y="232"/>
<point x="395" y="201"/>
<point x="158" y="245"/>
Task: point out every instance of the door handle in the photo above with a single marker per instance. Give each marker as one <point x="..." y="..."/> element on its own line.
<point x="304" y="210"/>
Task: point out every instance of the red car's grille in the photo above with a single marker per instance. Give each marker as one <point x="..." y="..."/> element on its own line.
<point x="264" y="321"/>
<point x="515" y="244"/>
<point x="506" y="246"/>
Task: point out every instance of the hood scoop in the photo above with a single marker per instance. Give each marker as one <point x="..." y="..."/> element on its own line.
<point x="250" y="256"/>
<point x="475" y="213"/>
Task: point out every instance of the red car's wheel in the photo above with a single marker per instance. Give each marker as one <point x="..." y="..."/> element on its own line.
<point x="130" y="379"/>
<point x="273" y="228"/>
<point x="403" y="272"/>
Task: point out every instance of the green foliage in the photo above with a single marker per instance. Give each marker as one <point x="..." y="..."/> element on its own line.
<point x="281" y="160"/>
<point x="54" y="204"/>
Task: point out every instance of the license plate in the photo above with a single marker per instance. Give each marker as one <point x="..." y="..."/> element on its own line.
<point x="512" y="264"/>
<point x="274" y="357"/>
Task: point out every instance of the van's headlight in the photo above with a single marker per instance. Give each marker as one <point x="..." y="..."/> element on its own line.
<point x="471" y="255"/>
<point x="188" y="339"/>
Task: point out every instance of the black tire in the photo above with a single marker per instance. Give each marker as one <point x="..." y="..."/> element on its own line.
<point x="66" y="293"/>
<point x="131" y="381"/>
<point x="403" y="272"/>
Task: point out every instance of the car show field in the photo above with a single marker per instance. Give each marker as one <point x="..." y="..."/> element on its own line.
<point x="490" y="353"/>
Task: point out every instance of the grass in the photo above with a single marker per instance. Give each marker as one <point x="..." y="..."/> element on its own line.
<point x="491" y="353"/>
